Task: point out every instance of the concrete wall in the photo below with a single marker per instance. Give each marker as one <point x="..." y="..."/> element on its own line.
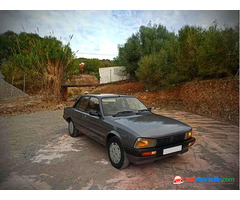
<point x="112" y="74"/>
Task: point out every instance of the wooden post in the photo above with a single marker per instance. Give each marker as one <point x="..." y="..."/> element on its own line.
<point x="24" y="83"/>
<point x="42" y="85"/>
<point x="12" y="84"/>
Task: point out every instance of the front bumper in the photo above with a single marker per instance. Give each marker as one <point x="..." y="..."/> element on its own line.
<point x="135" y="155"/>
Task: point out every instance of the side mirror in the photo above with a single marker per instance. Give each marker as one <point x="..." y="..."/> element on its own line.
<point x="94" y="113"/>
<point x="76" y="99"/>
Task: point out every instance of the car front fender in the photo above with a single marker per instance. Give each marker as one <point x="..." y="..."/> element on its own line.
<point x="112" y="134"/>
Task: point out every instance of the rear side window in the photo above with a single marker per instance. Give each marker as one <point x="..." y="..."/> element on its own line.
<point x="81" y="105"/>
<point x="93" y="105"/>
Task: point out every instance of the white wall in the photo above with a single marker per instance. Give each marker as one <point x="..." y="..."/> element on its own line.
<point x="112" y="74"/>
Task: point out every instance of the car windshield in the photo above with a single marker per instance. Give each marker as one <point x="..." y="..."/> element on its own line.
<point x="121" y="106"/>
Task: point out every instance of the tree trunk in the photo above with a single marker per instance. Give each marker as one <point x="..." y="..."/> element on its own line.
<point x="54" y="79"/>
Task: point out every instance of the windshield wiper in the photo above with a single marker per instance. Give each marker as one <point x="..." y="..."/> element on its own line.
<point x="123" y="112"/>
<point x="143" y="110"/>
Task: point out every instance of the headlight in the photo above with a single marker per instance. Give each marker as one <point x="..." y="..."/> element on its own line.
<point x="188" y="135"/>
<point x="145" y="143"/>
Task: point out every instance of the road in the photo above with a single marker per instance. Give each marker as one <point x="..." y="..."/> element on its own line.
<point x="37" y="153"/>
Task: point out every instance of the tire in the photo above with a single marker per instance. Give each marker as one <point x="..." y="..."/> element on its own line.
<point x="116" y="153"/>
<point x="73" y="132"/>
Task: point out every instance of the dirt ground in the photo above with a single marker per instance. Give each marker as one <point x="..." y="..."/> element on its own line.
<point x="123" y="87"/>
<point x="37" y="153"/>
<point x="30" y="105"/>
<point x="216" y="99"/>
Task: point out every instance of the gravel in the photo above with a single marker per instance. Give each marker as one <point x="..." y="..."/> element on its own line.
<point x="8" y="92"/>
<point x="36" y="152"/>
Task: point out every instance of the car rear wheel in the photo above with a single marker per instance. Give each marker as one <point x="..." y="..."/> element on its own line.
<point x="116" y="153"/>
<point x="73" y="132"/>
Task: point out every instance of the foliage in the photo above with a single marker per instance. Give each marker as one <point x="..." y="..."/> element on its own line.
<point x="189" y="40"/>
<point x="159" y="58"/>
<point x="91" y="66"/>
<point x="45" y="62"/>
<point x="153" y="38"/>
<point x="7" y="42"/>
<point x="159" y="69"/>
<point x="129" y="55"/>
<point x="218" y="54"/>
<point x="42" y="60"/>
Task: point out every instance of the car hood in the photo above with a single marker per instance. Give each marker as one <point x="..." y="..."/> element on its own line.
<point x="152" y="125"/>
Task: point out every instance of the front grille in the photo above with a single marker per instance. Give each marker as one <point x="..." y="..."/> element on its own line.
<point x="170" y="140"/>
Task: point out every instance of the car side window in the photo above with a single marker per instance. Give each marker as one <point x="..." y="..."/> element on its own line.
<point x="81" y="105"/>
<point x="93" y="105"/>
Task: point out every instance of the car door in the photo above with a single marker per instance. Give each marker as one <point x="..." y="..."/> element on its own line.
<point x="94" y="123"/>
<point x="79" y="113"/>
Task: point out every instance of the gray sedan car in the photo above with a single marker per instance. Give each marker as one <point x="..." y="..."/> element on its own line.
<point x="130" y="131"/>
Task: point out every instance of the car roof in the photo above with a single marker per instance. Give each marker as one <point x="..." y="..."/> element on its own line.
<point x="106" y="95"/>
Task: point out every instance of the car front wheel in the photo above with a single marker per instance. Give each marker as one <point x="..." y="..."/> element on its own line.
<point x="116" y="154"/>
<point x="73" y="132"/>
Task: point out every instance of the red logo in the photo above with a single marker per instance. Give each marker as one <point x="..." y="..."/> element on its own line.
<point x="178" y="180"/>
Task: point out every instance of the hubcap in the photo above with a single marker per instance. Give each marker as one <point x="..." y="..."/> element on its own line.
<point x="71" y="127"/>
<point x="115" y="152"/>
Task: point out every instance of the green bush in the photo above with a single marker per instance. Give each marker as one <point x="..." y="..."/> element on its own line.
<point x="218" y="54"/>
<point x="159" y="58"/>
<point x="156" y="71"/>
<point x="43" y="61"/>
<point x="129" y="55"/>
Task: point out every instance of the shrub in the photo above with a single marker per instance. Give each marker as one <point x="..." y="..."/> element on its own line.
<point x="156" y="71"/>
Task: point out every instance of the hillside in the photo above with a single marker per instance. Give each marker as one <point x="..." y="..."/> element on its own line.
<point x="217" y="98"/>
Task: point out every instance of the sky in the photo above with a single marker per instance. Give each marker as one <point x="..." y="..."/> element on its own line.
<point x="97" y="33"/>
